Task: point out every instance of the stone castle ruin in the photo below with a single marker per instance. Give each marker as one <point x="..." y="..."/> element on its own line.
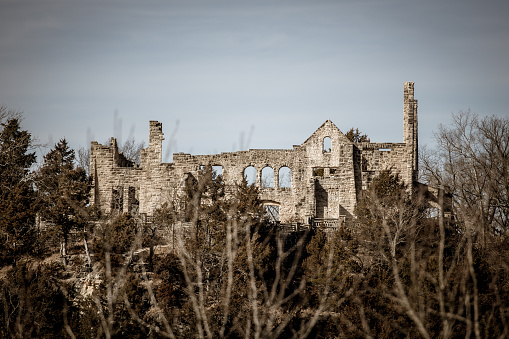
<point x="317" y="181"/>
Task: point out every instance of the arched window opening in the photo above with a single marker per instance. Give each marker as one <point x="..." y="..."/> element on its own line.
<point x="271" y="213"/>
<point x="217" y="173"/>
<point x="215" y="170"/>
<point x="267" y="177"/>
<point x="218" y="170"/>
<point x="327" y="145"/>
<point x="187" y="207"/>
<point x="285" y="177"/>
<point x="190" y="183"/>
<point x="250" y="175"/>
<point x="434" y="212"/>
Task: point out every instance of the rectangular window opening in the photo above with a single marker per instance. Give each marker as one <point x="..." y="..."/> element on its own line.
<point x="318" y="172"/>
<point x="117" y="199"/>
<point x="133" y="203"/>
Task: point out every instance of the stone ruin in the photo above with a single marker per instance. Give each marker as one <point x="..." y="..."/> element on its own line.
<point x="318" y="181"/>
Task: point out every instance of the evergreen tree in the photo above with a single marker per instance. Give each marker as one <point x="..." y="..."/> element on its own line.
<point x="354" y="135"/>
<point x="331" y="261"/>
<point x="116" y="237"/>
<point x="63" y="192"/>
<point x="33" y="301"/>
<point x="17" y="212"/>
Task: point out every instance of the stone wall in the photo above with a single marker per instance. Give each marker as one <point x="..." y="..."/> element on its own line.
<point x="328" y="171"/>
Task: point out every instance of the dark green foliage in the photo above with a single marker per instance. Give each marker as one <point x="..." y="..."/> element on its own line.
<point x="63" y="192"/>
<point x="129" y="313"/>
<point x="33" y="301"/>
<point x="354" y="135"/>
<point x="15" y="161"/>
<point x="246" y="205"/>
<point x="119" y="236"/>
<point x="116" y="238"/>
<point x="128" y="309"/>
<point x="387" y="189"/>
<point x="17" y="197"/>
<point x="171" y="293"/>
<point x="330" y="265"/>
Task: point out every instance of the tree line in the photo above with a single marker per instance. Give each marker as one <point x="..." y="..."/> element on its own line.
<point x="211" y="264"/>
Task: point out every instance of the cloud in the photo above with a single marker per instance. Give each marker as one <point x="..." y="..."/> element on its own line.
<point x="240" y="61"/>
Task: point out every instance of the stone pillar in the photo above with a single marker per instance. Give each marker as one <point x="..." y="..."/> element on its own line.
<point x="156" y="141"/>
<point x="152" y="155"/>
<point x="410" y="137"/>
<point x="125" y="201"/>
<point x="276" y="178"/>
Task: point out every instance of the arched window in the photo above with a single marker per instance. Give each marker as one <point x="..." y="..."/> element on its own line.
<point x="217" y="172"/>
<point x="218" y="169"/>
<point x="285" y="177"/>
<point x="250" y="175"/>
<point x="267" y="177"/>
<point x="327" y="144"/>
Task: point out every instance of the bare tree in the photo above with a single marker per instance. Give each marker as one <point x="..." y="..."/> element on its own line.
<point x="83" y="159"/>
<point x="473" y="162"/>
<point x="132" y="150"/>
<point x="9" y="114"/>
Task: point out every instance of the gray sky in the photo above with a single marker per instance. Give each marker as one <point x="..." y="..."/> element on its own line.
<point x="225" y="68"/>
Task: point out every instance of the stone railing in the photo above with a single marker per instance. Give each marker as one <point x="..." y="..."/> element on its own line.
<point x="293" y="227"/>
<point x="329" y="224"/>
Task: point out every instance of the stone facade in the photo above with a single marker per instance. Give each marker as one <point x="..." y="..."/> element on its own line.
<point x="328" y="172"/>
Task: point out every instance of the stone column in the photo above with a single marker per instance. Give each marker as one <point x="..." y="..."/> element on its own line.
<point x="410" y="137"/>
<point x="276" y="178"/>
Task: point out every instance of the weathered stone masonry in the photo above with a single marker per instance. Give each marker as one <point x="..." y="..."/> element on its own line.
<point x="324" y="183"/>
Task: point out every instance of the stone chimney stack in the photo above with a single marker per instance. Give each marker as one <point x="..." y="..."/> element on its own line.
<point x="156" y="135"/>
<point x="410" y="126"/>
<point x="152" y="155"/>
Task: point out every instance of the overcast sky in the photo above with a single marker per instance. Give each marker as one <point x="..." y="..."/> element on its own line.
<point x="224" y="70"/>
